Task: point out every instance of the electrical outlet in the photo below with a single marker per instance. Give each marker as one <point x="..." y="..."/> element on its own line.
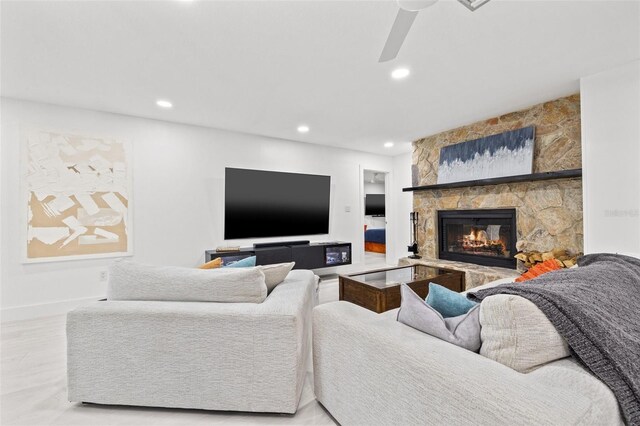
<point x="347" y="209"/>
<point x="103" y="275"/>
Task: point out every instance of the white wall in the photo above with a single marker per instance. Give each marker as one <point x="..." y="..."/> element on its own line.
<point x="401" y="205"/>
<point x="178" y="173"/>
<point x="611" y="160"/>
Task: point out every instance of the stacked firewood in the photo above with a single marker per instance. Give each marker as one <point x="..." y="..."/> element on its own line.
<point x="562" y="256"/>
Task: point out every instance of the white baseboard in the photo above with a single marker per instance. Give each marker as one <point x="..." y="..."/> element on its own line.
<point x="25" y="312"/>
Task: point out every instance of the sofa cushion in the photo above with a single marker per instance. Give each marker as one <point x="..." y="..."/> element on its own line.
<point x="212" y="264"/>
<point x="448" y="302"/>
<point x="247" y="262"/>
<point x="463" y="330"/>
<point x="276" y="273"/>
<point x="517" y="334"/>
<point x="135" y="281"/>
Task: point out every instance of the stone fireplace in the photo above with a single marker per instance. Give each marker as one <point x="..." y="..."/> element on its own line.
<point x="548" y="213"/>
<point x="484" y="237"/>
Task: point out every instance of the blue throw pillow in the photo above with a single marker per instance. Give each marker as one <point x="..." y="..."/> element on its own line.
<point x="247" y="262"/>
<point x="449" y="303"/>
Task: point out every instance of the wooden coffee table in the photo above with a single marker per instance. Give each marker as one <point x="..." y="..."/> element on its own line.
<point x="379" y="290"/>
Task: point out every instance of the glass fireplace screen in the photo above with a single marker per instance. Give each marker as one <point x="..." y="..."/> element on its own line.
<point x="485" y="237"/>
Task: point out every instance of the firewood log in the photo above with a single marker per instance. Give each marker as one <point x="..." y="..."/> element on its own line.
<point x="558" y="253"/>
<point x="561" y="256"/>
<point x="547" y="255"/>
<point x="536" y="257"/>
<point x="522" y="256"/>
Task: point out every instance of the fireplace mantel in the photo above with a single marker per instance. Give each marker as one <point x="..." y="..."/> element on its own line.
<point x="561" y="174"/>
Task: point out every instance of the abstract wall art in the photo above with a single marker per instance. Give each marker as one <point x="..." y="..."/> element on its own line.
<point x="78" y="196"/>
<point x="504" y="154"/>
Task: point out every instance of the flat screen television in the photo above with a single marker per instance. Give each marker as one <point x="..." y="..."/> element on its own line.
<point x="260" y="203"/>
<point x="374" y="205"/>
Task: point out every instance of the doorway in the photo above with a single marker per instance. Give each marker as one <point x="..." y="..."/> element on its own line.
<point x="375" y="212"/>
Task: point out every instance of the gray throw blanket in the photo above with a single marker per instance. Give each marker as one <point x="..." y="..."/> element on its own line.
<point x="596" y="308"/>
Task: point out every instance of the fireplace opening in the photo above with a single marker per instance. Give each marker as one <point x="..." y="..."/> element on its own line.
<point x="483" y="237"/>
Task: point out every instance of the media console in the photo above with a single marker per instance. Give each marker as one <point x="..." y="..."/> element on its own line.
<point x="306" y="256"/>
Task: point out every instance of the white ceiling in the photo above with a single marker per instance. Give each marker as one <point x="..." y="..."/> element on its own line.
<point x="265" y="67"/>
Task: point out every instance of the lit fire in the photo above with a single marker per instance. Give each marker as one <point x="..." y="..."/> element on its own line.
<point x="478" y="240"/>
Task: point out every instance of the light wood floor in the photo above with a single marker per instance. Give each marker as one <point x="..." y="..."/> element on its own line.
<point x="33" y="382"/>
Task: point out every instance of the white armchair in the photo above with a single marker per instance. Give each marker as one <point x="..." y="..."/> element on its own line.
<point x="204" y="355"/>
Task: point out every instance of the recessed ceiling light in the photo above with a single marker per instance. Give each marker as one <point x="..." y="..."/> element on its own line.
<point x="388" y="144"/>
<point x="400" y="73"/>
<point x="303" y="128"/>
<point x="164" y="103"/>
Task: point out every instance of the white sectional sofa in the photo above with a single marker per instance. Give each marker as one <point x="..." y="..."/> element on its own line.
<point x="370" y="369"/>
<point x="205" y="355"/>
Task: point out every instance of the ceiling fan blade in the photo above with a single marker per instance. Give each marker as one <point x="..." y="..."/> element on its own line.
<point x="399" y="31"/>
<point x="473" y="5"/>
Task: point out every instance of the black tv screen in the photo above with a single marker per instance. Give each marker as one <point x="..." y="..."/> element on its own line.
<point x="374" y="205"/>
<point x="275" y="204"/>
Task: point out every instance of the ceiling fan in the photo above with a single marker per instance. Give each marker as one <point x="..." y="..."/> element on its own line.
<point x="404" y="19"/>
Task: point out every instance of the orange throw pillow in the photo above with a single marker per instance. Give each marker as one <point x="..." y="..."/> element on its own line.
<point x="212" y="264"/>
<point x="539" y="269"/>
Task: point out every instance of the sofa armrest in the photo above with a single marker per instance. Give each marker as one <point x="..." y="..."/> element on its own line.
<point x="372" y="369"/>
<point x="218" y="356"/>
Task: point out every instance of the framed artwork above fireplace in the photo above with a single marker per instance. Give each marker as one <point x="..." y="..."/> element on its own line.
<point x="484" y="237"/>
<point x="505" y="154"/>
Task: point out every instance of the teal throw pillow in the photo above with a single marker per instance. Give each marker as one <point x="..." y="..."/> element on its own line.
<point x="449" y="303"/>
<point x="247" y="262"/>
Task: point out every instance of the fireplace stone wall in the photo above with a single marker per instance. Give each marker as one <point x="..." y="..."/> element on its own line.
<point x="549" y="213"/>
